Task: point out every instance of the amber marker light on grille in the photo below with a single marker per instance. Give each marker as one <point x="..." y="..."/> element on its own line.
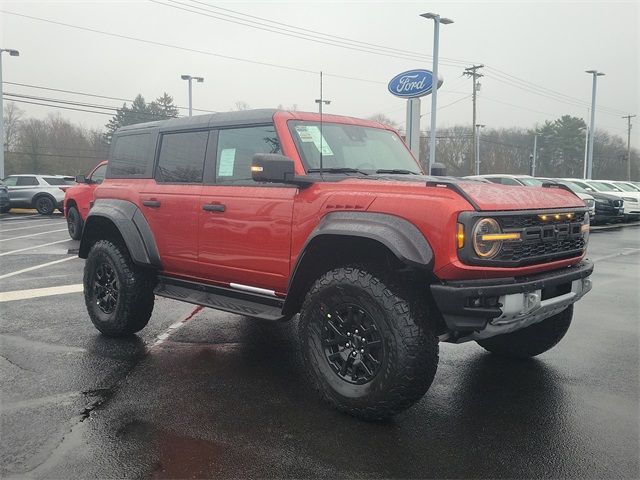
<point x="460" y="235"/>
<point x="557" y="217"/>
<point x="569" y="216"/>
<point x="256" y="168"/>
<point x="489" y="237"/>
<point x="542" y="217"/>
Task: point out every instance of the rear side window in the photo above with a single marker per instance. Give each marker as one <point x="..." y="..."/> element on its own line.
<point x="130" y="157"/>
<point x="236" y="148"/>
<point x="27" y="181"/>
<point x="181" y="158"/>
<point x="55" y="181"/>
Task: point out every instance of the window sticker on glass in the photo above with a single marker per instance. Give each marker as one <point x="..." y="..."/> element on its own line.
<point x="226" y="162"/>
<point x="311" y="133"/>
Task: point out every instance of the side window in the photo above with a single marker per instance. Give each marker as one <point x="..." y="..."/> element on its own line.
<point x="55" y="181"/>
<point x="27" y="181"/>
<point x="236" y="148"/>
<point x="181" y="157"/>
<point x="494" y="180"/>
<point x="10" y="181"/>
<point x="130" y="157"/>
<point x="98" y="174"/>
<point x="510" y="181"/>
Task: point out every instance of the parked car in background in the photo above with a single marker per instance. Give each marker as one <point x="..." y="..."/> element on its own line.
<point x="607" y="208"/>
<point x="77" y="199"/>
<point x="4" y="198"/>
<point x="632" y="185"/>
<point x="45" y="193"/>
<point x="631" y="199"/>
<point x="529" y="181"/>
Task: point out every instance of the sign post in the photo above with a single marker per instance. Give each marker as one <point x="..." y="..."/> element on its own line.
<point x="412" y="85"/>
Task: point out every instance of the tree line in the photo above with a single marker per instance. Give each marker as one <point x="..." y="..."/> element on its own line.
<point x="55" y="145"/>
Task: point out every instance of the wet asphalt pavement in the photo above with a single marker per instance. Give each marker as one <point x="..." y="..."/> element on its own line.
<point x="199" y="393"/>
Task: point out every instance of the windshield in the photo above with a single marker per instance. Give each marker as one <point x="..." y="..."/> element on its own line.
<point x="574" y="186"/>
<point x="625" y="187"/>
<point x="351" y="147"/>
<point x="531" y="182"/>
<point x="604" y="187"/>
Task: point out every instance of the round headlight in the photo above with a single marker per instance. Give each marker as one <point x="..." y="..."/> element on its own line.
<point x="486" y="248"/>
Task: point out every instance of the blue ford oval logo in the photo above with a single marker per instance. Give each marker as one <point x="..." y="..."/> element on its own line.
<point x="411" y="84"/>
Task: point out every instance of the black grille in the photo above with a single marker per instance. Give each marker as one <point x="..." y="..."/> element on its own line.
<point x="544" y="236"/>
<point x="509" y="222"/>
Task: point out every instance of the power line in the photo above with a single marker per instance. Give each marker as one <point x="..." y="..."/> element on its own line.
<point x="63" y="107"/>
<point x="91" y="95"/>
<point x="327" y="40"/>
<point x="53" y="155"/>
<point x="188" y="49"/>
<point x="316" y="32"/>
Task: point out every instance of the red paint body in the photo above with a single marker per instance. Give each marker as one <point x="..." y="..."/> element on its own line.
<point x="82" y="194"/>
<point x="259" y="237"/>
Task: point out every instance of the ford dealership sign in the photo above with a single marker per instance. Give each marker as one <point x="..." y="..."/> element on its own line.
<point x="412" y="84"/>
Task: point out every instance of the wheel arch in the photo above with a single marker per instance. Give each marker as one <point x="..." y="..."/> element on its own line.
<point x="343" y="238"/>
<point x="43" y="194"/>
<point x="121" y="221"/>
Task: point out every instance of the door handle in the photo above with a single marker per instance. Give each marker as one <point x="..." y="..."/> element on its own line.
<point x="214" y="207"/>
<point x="151" y="203"/>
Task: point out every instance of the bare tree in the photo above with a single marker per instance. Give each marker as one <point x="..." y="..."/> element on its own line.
<point x="383" y="119"/>
<point x="12" y="118"/>
<point x="242" y="105"/>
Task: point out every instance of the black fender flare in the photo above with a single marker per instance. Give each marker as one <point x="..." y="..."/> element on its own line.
<point x="133" y="227"/>
<point x="402" y="238"/>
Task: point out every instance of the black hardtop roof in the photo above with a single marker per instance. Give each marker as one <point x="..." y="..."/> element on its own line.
<point x="244" y="117"/>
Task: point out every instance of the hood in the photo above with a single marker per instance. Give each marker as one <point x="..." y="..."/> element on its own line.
<point x="603" y="196"/>
<point x="492" y="196"/>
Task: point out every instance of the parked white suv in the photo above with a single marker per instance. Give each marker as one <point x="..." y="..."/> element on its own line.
<point x="45" y="193"/>
<point x="631" y="198"/>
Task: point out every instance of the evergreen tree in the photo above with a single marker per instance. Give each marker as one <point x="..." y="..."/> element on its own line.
<point x="140" y="112"/>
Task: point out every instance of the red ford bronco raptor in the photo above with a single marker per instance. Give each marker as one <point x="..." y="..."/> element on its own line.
<point x="270" y="214"/>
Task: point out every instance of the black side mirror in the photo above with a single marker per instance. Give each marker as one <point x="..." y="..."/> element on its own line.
<point x="81" y="179"/>
<point x="275" y="168"/>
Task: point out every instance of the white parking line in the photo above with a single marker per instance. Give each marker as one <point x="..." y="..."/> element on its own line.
<point x="24" y="217"/>
<point x="35" y="267"/>
<point x="39" y="292"/>
<point x="32" y="235"/>
<point x="175" y="326"/>
<point x="33" y="248"/>
<point x="38" y="225"/>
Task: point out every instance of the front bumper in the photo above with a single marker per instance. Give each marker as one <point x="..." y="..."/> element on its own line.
<point x="476" y="309"/>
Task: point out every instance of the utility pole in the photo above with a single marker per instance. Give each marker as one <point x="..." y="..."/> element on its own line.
<point x="477" y="136"/>
<point x="473" y="73"/>
<point x="535" y="156"/>
<point x="12" y="53"/>
<point x="592" y="126"/>
<point x="629" y="117"/>
<point x="437" y="20"/>
<point x="189" y="78"/>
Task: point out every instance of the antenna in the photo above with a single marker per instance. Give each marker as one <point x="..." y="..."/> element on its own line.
<point x="321" y="101"/>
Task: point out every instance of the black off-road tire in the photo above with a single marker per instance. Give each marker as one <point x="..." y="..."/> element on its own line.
<point x="45" y="205"/>
<point x="74" y="223"/>
<point x="132" y="309"/>
<point x="532" y="340"/>
<point x="409" y="357"/>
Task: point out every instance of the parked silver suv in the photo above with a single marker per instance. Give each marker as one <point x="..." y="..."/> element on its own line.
<point x="45" y="193"/>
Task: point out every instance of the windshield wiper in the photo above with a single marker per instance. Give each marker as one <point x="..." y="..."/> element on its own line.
<point x="397" y="171"/>
<point x="337" y="170"/>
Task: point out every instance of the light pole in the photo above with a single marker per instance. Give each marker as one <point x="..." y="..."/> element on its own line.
<point x="190" y="78"/>
<point x="478" y="127"/>
<point x="592" y="126"/>
<point x="534" y="157"/>
<point x="437" y="20"/>
<point x="12" y="53"/>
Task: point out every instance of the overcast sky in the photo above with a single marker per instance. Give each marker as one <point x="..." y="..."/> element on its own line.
<point x="547" y="44"/>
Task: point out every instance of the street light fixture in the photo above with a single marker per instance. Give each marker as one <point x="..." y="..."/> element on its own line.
<point x="12" y="53"/>
<point x="592" y="130"/>
<point x="437" y="20"/>
<point x="190" y="79"/>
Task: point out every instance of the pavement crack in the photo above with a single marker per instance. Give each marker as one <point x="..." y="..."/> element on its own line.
<point x="98" y="396"/>
<point x="17" y="366"/>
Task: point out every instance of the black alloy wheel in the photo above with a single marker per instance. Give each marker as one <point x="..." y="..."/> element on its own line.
<point x="44" y="205"/>
<point x="352" y="343"/>
<point x="106" y="288"/>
